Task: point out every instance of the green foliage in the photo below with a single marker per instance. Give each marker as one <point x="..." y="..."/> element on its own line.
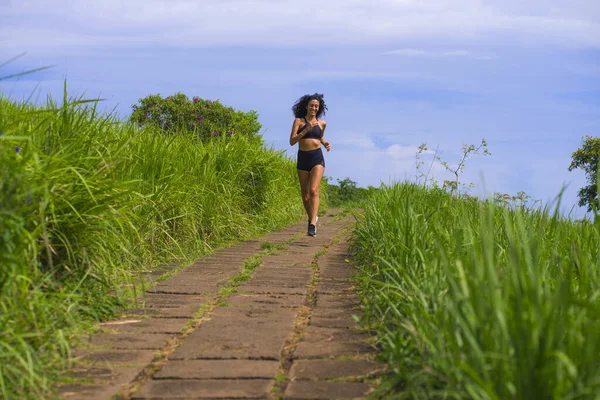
<point x="13" y="235"/>
<point x="204" y="118"/>
<point x="347" y="194"/>
<point x="87" y="203"/>
<point x="586" y="158"/>
<point x="474" y="300"/>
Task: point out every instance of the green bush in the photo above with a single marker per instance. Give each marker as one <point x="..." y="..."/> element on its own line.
<point x="204" y="118"/>
<point x="347" y="194"/>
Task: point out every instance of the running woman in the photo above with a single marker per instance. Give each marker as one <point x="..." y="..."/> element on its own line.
<point x="308" y="131"/>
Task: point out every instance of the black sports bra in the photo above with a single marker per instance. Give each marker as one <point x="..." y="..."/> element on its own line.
<point x="314" y="133"/>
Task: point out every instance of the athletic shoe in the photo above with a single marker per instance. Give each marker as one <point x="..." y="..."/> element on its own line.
<point x="312" y="230"/>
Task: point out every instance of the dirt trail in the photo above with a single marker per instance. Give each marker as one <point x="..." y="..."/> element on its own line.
<point x="270" y="318"/>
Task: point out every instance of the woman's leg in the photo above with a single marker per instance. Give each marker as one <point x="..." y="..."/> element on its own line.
<point x="315" y="179"/>
<point x="304" y="178"/>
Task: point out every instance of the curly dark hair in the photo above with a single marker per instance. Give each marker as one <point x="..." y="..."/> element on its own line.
<point x="299" y="107"/>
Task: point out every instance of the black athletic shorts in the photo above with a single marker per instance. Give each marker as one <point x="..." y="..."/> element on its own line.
<point x="308" y="159"/>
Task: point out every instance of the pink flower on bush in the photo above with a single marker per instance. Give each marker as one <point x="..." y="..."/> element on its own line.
<point x="215" y="133"/>
<point x="199" y="116"/>
<point x="194" y="125"/>
<point x="195" y="99"/>
<point x="230" y="133"/>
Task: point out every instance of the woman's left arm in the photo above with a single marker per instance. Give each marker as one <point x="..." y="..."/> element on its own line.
<point x="323" y="141"/>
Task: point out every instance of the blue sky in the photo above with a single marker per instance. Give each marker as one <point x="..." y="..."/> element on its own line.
<point x="524" y="75"/>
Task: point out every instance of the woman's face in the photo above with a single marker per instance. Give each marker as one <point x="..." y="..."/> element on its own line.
<point x="313" y="107"/>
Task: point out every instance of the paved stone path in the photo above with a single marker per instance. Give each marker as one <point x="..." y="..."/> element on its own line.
<point x="265" y="319"/>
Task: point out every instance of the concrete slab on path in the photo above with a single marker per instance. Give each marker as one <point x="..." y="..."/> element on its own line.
<point x="241" y="314"/>
<point x="238" y="338"/>
<point x="335" y="286"/>
<point x="109" y="375"/>
<point x="88" y="391"/>
<point x="218" y="369"/>
<point x="331" y="342"/>
<point x="280" y="282"/>
<point x="307" y="390"/>
<point x="333" y="369"/>
<point x="182" y="312"/>
<point x="162" y="300"/>
<point x="128" y="341"/>
<point x="253" y="300"/>
<point x="337" y="313"/>
<point x="205" y="389"/>
<point x="188" y="288"/>
<point x="273" y="290"/>
<point x="146" y="325"/>
<point x="340" y="323"/>
<point x="337" y="301"/>
<point x="113" y="357"/>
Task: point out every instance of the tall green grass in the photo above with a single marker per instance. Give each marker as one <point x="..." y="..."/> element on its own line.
<point x="475" y="301"/>
<point x="88" y="202"/>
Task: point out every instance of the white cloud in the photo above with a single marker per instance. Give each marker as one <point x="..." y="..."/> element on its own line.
<point x="398" y="151"/>
<point x="358" y="157"/>
<point x="73" y="24"/>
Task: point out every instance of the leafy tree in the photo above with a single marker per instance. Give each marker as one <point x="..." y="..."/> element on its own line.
<point x="586" y="158"/>
<point x="205" y="118"/>
<point x="347" y="190"/>
<point x="347" y="194"/>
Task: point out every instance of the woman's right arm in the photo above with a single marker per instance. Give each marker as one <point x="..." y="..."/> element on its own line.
<point x="295" y="136"/>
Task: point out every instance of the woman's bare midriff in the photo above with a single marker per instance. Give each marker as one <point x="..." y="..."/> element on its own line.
<point x="309" y="144"/>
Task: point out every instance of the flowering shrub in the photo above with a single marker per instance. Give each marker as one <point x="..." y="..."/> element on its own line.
<point x="205" y="118"/>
